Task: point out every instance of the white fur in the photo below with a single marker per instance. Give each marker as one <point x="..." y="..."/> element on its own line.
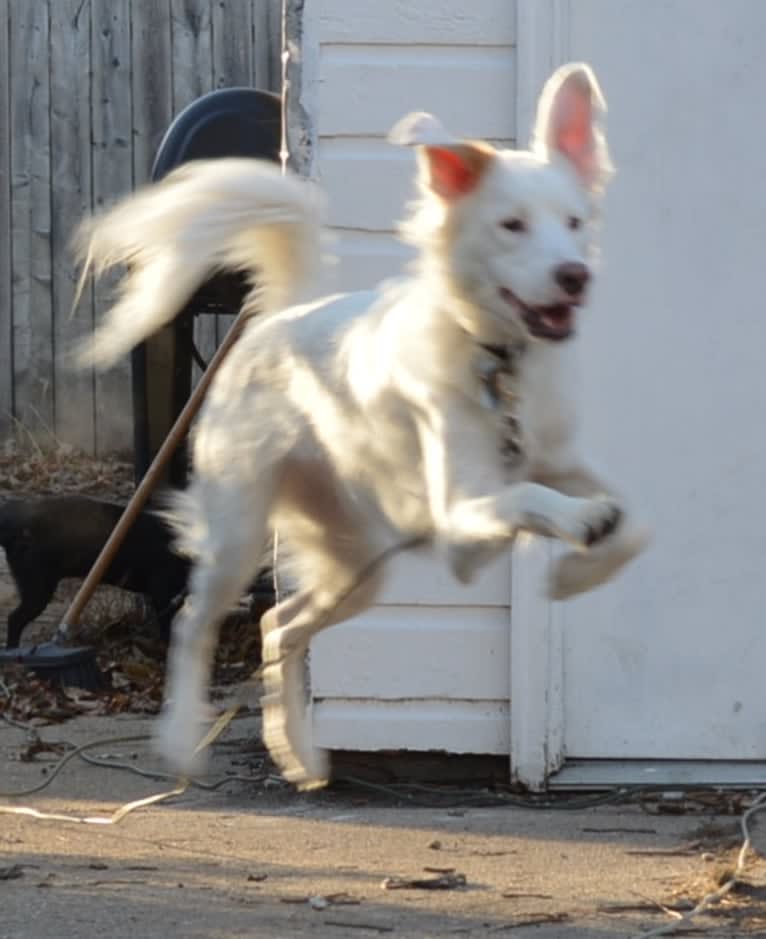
<point x="357" y="421"/>
<point x="250" y="220"/>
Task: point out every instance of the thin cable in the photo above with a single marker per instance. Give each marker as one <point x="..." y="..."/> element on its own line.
<point x="65" y="759"/>
<point x="212" y="786"/>
<point x="456" y="798"/>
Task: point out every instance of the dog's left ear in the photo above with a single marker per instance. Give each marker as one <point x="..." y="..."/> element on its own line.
<point x="569" y="122"/>
<point x="450" y="168"/>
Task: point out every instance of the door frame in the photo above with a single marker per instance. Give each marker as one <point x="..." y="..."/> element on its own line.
<point x="537" y="652"/>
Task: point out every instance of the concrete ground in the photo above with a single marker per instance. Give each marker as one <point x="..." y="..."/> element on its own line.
<point x="254" y="858"/>
<point x="257" y="859"/>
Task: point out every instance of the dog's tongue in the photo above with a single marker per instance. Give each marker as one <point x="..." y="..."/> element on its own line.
<point x="557" y="318"/>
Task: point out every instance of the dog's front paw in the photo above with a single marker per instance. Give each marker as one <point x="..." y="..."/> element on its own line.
<point x="583" y="570"/>
<point x="590" y="521"/>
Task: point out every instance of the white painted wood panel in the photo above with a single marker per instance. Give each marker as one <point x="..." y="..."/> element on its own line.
<point x="480" y="22"/>
<point x="363" y="259"/>
<point x="428" y="668"/>
<point x="419" y="578"/>
<point x="369" y="179"/>
<point x="365" y="89"/>
<point x="462" y="653"/>
<point x="454" y="726"/>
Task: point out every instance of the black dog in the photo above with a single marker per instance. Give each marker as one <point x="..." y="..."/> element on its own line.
<point x="48" y="539"/>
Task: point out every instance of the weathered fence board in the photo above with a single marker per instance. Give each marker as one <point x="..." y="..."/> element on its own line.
<point x="193" y="44"/>
<point x="112" y="104"/>
<point x="89" y="89"/>
<point x="70" y="199"/>
<point x="6" y="287"/>
<point x="31" y="218"/>
<point x="232" y="65"/>
<point x="267" y="43"/>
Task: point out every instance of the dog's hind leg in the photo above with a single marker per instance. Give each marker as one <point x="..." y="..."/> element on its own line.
<point x="287" y="631"/>
<point x="332" y="552"/>
<point x="233" y="520"/>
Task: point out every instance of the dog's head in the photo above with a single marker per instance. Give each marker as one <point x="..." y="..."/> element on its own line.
<point x="513" y="232"/>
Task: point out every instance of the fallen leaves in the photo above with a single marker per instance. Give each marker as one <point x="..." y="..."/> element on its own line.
<point x="27" y="699"/>
<point x="30" y="701"/>
<point x="28" y="471"/>
<point x="133" y="661"/>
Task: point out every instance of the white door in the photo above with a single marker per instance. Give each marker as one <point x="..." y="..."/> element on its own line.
<point x="427" y="668"/>
<point x="669" y="662"/>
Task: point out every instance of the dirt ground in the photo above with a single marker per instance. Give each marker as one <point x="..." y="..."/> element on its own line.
<point x="254" y="858"/>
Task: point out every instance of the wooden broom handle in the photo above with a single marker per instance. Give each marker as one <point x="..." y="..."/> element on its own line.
<point x="150" y="480"/>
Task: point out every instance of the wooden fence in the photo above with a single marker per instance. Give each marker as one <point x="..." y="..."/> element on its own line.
<point x="88" y="89"/>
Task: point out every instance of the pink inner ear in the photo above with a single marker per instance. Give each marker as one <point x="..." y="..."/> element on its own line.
<point x="572" y="128"/>
<point x="575" y="134"/>
<point x="452" y="175"/>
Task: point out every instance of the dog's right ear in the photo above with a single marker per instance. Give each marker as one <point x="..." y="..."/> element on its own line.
<point x="450" y="168"/>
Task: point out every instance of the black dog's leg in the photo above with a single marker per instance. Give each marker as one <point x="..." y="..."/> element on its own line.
<point x="36" y="590"/>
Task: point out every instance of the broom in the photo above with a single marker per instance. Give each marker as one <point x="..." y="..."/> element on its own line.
<point x="76" y="666"/>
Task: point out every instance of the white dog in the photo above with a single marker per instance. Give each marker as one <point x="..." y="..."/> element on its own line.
<point x="433" y="408"/>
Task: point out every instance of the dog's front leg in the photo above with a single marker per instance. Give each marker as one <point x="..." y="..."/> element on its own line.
<point x="479" y="528"/>
<point x="577" y="572"/>
<point x="476" y="513"/>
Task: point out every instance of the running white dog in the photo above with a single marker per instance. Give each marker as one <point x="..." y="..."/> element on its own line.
<point x="433" y="408"/>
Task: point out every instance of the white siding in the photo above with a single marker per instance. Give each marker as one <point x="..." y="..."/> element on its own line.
<point x="373" y="62"/>
<point x="429" y="667"/>
<point x="436" y="637"/>
<point x="453" y="726"/>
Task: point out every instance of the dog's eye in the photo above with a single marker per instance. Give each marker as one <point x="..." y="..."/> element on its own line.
<point x="574" y="222"/>
<point x="514" y="224"/>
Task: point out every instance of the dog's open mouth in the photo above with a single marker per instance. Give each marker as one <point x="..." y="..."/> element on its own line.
<point x="554" y="322"/>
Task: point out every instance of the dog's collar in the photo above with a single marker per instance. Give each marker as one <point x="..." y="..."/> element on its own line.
<point x="498" y="374"/>
<point x="507" y="354"/>
<point x="497" y="351"/>
<point x="499" y="366"/>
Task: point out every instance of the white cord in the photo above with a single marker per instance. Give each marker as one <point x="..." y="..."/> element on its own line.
<point x="112" y="819"/>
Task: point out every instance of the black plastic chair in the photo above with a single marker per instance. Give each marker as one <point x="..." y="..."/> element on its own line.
<point x="224" y="123"/>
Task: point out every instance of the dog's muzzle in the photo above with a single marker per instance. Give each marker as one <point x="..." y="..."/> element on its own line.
<point x="555" y="321"/>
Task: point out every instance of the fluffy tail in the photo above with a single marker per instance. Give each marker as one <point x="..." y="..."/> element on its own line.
<point x="209" y="215"/>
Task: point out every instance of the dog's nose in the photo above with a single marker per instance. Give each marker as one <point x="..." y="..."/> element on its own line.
<point x="572" y="277"/>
